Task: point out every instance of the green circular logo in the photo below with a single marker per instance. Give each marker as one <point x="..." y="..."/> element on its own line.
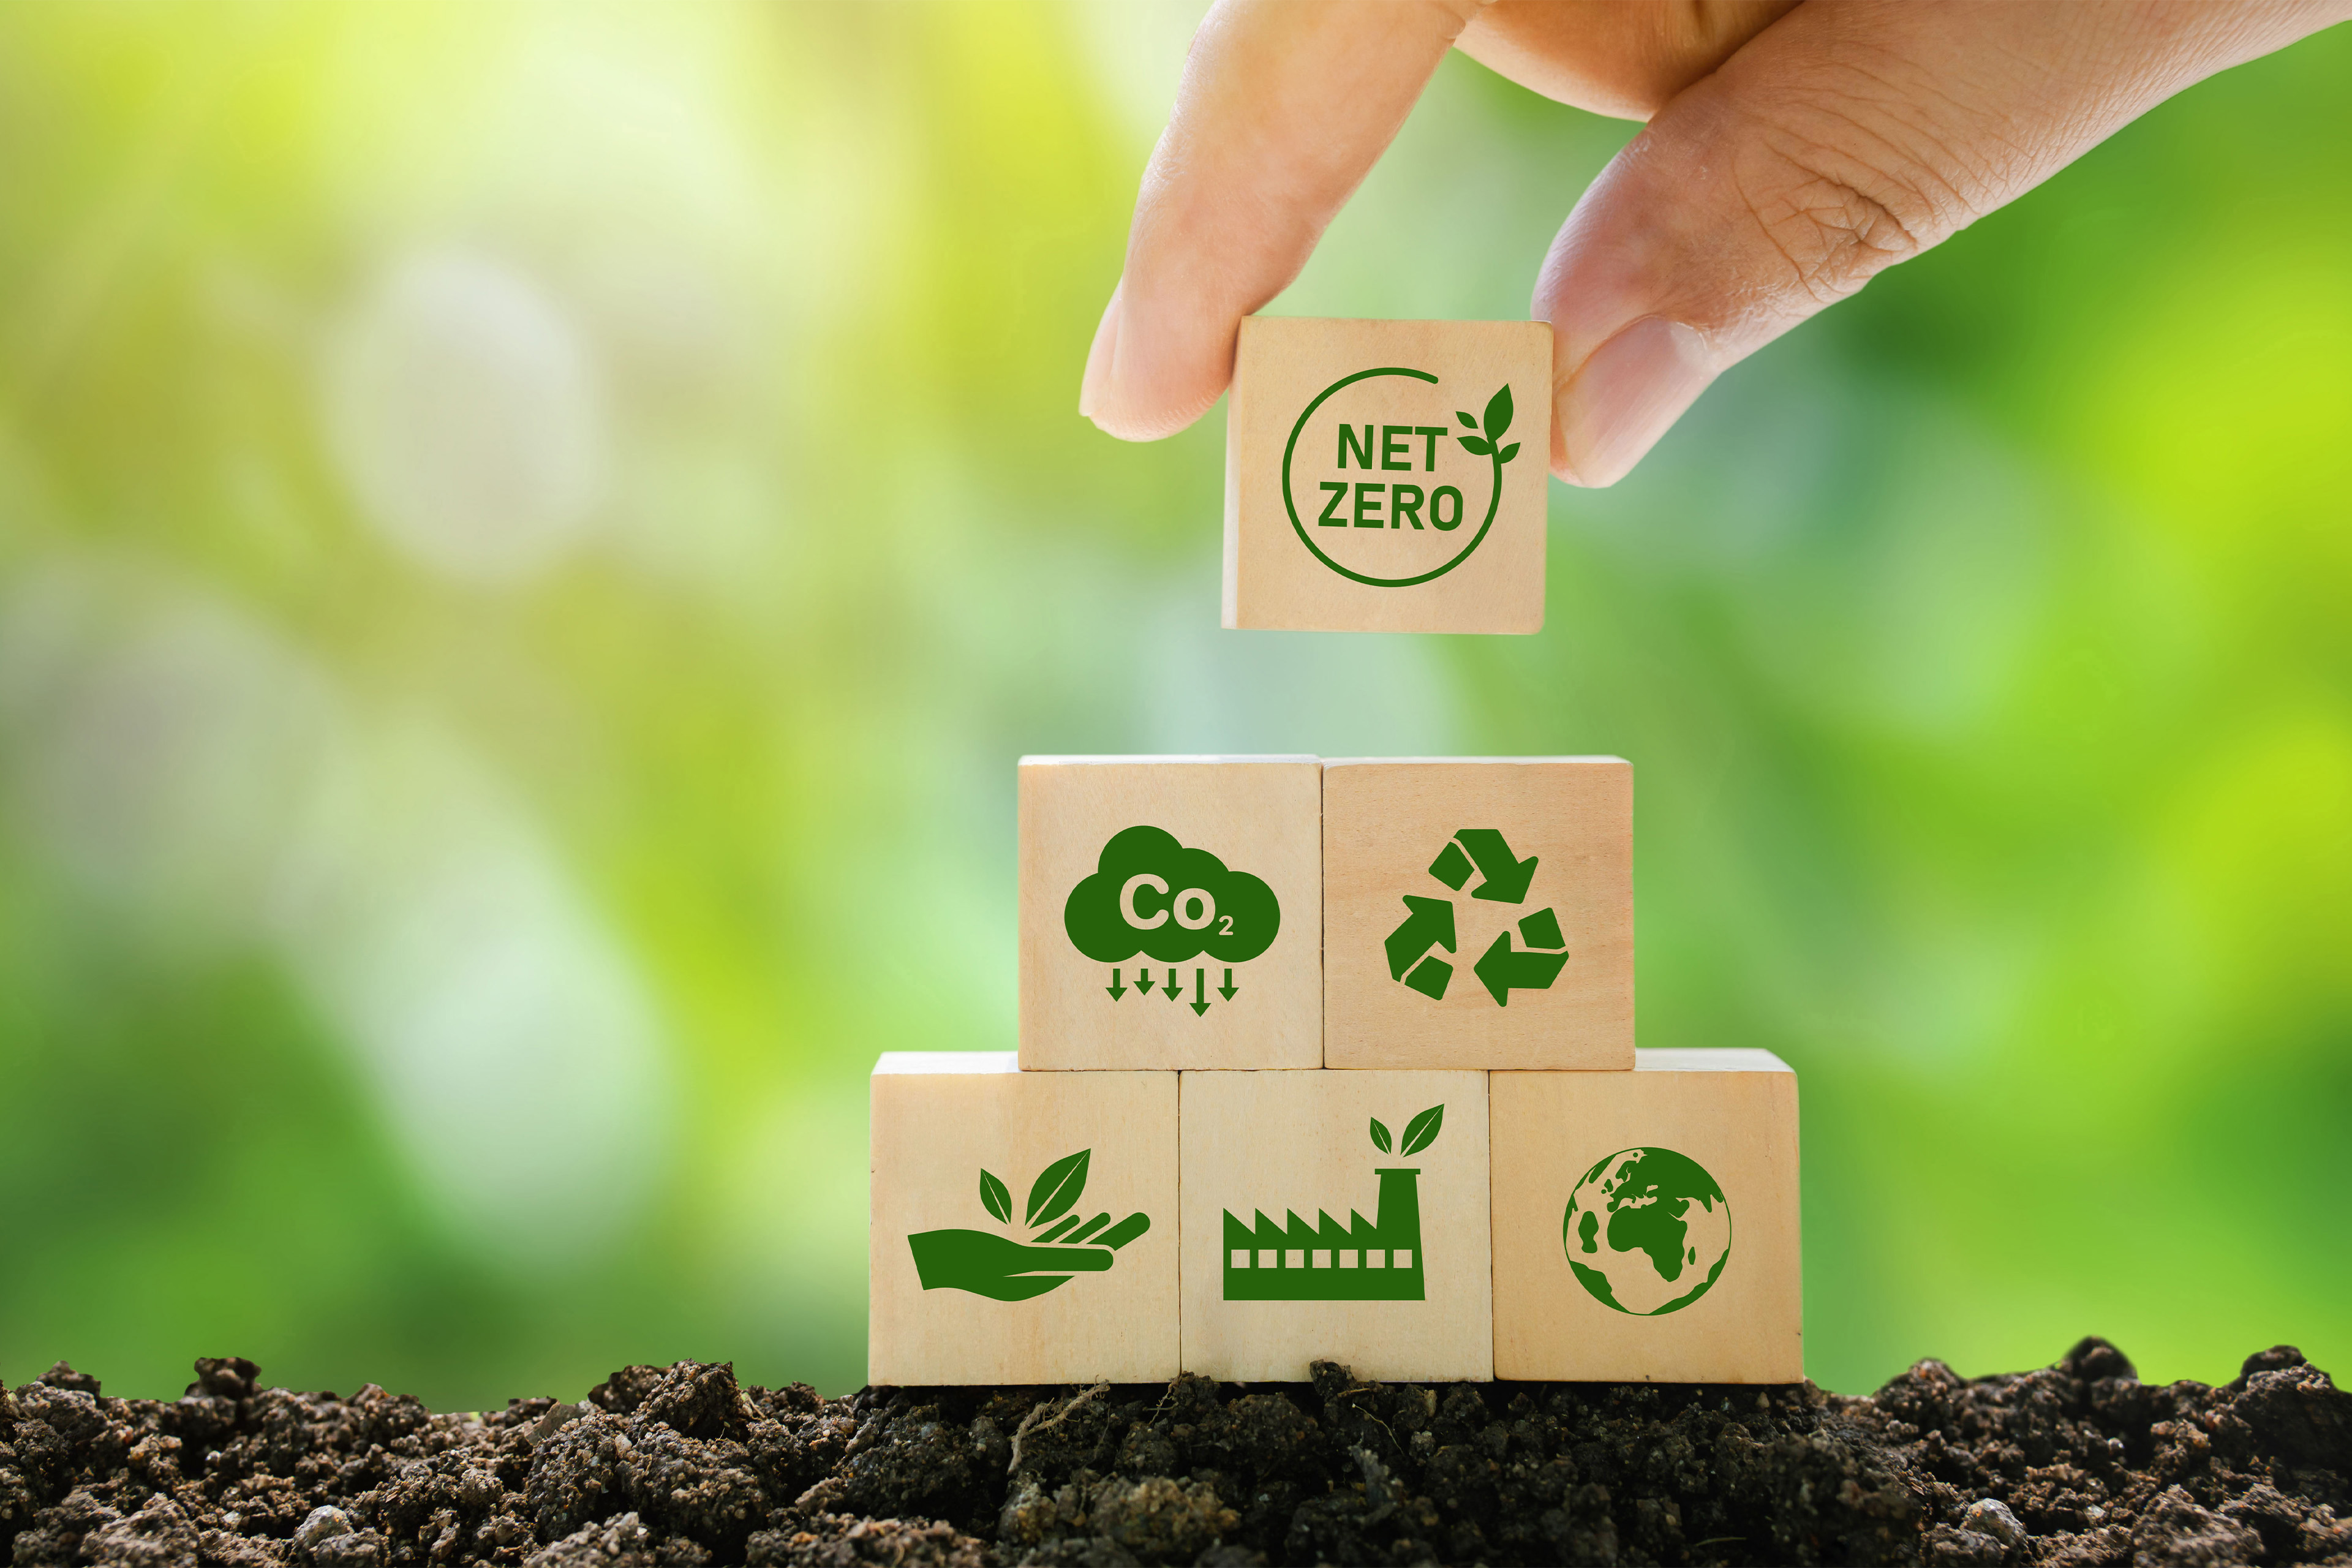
<point x="1647" y="1231"/>
<point x="1382" y="484"/>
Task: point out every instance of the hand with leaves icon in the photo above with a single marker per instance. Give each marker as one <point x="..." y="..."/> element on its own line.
<point x="1490" y="444"/>
<point x="1419" y="1133"/>
<point x="1003" y="1270"/>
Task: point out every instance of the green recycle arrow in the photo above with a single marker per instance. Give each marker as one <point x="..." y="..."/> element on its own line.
<point x="1503" y="968"/>
<point x="1428" y="922"/>
<point x="1506" y="875"/>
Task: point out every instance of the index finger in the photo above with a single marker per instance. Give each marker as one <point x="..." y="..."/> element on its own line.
<point x="1283" y="110"/>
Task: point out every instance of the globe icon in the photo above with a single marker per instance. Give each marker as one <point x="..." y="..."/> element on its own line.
<point x="1647" y="1231"/>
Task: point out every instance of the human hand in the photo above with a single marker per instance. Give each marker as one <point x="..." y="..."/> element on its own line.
<point x="1792" y="151"/>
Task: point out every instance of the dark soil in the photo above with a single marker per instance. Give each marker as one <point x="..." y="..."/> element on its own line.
<point x="680" y="1466"/>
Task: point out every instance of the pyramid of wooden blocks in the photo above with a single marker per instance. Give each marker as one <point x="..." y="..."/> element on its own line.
<point x="1331" y="1060"/>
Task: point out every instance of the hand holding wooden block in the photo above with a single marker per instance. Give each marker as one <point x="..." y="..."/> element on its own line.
<point x="1646" y="1223"/>
<point x="1022" y="1226"/>
<point x="1387" y="475"/>
<point x="1171" y="912"/>
<point x="1478" y="913"/>
<point x="1398" y="1289"/>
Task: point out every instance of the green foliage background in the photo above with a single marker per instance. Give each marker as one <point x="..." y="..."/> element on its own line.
<point x="530" y="537"/>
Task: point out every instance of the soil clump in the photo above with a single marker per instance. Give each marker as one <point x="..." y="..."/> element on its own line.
<point x="682" y="1467"/>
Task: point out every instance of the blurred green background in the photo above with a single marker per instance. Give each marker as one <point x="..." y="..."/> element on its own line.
<point x="531" y="536"/>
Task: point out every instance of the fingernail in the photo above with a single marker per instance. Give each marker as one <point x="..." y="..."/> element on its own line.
<point x="1627" y="395"/>
<point x="1096" y="381"/>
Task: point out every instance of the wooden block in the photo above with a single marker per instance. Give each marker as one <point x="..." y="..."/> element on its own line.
<point x="1478" y="913"/>
<point x="1022" y="1226"/>
<point x="1646" y="1222"/>
<point x="1387" y="475"/>
<point x="1400" y="1288"/>
<point x="1171" y="912"/>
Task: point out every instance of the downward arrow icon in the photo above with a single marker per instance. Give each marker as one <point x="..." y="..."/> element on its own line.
<point x="1115" y="988"/>
<point x="1200" y="992"/>
<point x="1228" y="988"/>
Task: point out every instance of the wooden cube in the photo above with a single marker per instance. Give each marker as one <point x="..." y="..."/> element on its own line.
<point x="1022" y="1225"/>
<point x="1388" y="476"/>
<point x="1646" y="1222"/>
<point x="1478" y="913"/>
<point x="1171" y="912"/>
<point x="1400" y="1288"/>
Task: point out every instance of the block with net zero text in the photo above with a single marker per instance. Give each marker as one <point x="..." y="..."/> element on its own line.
<point x="1646" y="1222"/>
<point x="1336" y="1215"/>
<point x="1022" y="1226"/>
<point x="1387" y="475"/>
<point x="1478" y="912"/>
<point x="1171" y="912"/>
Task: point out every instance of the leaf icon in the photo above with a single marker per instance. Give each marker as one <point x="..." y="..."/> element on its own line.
<point x="1422" y="1130"/>
<point x="1498" y="413"/>
<point x="1465" y="419"/>
<point x="1507" y="453"/>
<point x="1476" y="443"/>
<point x="995" y="1198"/>
<point x="1379" y="1136"/>
<point x="1058" y="1188"/>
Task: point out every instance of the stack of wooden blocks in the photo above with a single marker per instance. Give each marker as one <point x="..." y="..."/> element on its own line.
<point x="1259" y="989"/>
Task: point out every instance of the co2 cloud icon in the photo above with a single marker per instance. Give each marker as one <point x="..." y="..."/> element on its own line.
<point x="1149" y="895"/>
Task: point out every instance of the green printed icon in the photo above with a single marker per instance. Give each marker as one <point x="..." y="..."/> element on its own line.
<point x="1647" y="1231"/>
<point x="1003" y="1270"/>
<point x="1400" y="531"/>
<point x="1375" y="1260"/>
<point x="1503" y="879"/>
<point x="1152" y="898"/>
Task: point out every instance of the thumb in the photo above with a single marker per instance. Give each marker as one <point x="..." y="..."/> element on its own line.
<point x="1848" y="136"/>
<point x="1284" y="107"/>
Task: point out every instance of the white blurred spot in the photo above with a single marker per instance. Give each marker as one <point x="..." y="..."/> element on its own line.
<point x="505" y="1032"/>
<point x="161" y="743"/>
<point x="465" y="410"/>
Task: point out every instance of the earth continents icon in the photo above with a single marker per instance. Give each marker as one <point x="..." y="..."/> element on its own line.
<point x="1647" y="1231"/>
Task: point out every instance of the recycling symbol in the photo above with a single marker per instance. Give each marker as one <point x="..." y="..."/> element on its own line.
<point x="1503" y="879"/>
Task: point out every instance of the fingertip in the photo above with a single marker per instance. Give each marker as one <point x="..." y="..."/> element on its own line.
<point x="1557" y="454"/>
<point x="1095" y="382"/>
<point x="1153" y="422"/>
<point x="1282" y="111"/>
<point x="1144" y="382"/>
<point x="1628" y="392"/>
